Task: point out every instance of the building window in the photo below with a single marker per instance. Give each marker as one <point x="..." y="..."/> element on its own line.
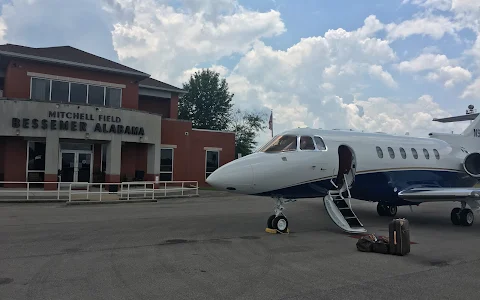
<point x="320" y="143"/>
<point x="96" y="95"/>
<point x="166" y="164"/>
<point x="65" y="92"/>
<point x="379" y="152"/>
<point x="391" y="153"/>
<point x="437" y="155"/>
<point x="306" y="143"/>
<point x="414" y="153"/>
<point x="60" y="91"/>
<point x="35" y="161"/>
<point x="403" y="153"/>
<point x="40" y="89"/>
<point x="425" y="152"/>
<point x="212" y="162"/>
<point x="78" y="93"/>
<point x="113" y="97"/>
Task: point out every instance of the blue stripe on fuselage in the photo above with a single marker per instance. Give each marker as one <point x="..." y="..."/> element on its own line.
<point x="379" y="186"/>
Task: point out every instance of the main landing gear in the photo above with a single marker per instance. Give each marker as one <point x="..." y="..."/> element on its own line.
<point x="278" y="221"/>
<point x="385" y="210"/>
<point x="462" y="216"/>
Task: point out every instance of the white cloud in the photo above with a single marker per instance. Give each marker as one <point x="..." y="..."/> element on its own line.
<point x="441" y="68"/>
<point x="434" y="26"/>
<point x="221" y="70"/>
<point x="179" y="39"/>
<point x="473" y="90"/>
<point x="377" y="71"/>
<point x="450" y="75"/>
<point x="424" y="62"/>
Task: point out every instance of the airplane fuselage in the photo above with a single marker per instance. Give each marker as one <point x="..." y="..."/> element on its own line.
<point x="381" y="165"/>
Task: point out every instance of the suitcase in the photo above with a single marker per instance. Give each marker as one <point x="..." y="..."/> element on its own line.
<point x="399" y="236"/>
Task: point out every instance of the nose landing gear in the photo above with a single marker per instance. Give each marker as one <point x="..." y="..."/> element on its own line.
<point x="278" y="221"/>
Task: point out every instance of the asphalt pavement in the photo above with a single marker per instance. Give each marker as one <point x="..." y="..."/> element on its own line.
<point x="216" y="247"/>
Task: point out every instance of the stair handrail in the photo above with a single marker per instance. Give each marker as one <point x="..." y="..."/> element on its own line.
<point x="348" y="190"/>
<point x="331" y="180"/>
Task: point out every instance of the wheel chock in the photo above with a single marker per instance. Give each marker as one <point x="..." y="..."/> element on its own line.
<point x="275" y="231"/>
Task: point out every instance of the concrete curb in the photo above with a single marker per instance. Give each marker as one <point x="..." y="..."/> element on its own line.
<point x="90" y="202"/>
<point x="94" y="202"/>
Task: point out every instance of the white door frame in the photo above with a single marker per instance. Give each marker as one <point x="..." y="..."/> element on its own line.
<point x="75" y="168"/>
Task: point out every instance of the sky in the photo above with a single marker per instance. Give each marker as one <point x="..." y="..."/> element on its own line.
<point x="372" y="65"/>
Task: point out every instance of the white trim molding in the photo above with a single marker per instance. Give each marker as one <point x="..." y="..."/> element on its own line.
<point x="76" y="80"/>
<point x="212" y="149"/>
<point x="211" y="130"/>
<point x="168" y="146"/>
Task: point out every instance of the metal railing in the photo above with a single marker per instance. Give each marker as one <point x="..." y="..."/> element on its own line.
<point x="85" y="191"/>
<point x="146" y="190"/>
<point x="27" y="190"/>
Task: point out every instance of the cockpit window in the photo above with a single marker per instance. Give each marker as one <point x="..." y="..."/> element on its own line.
<point x="280" y="144"/>
<point x="320" y="143"/>
<point x="306" y="143"/>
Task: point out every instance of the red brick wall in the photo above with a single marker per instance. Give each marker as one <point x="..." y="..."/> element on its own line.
<point x="174" y="106"/>
<point x="17" y="83"/>
<point x="159" y="106"/>
<point x="201" y="139"/>
<point x="173" y="133"/>
<point x="15" y="160"/>
<point x="189" y="156"/>
<point x="141" y="158"/>
<point x="134" y="157"/>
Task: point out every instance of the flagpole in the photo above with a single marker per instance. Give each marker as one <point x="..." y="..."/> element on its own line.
<point x="270" y="122"/>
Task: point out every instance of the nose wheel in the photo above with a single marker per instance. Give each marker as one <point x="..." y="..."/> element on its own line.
<point x="279" y="223"/>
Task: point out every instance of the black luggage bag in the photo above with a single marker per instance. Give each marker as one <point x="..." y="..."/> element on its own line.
<point x="399" y="231"/>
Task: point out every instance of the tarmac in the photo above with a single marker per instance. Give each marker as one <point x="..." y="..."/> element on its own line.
<point x="215" y="247"/>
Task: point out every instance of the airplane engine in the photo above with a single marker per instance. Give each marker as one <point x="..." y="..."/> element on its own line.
<point x="471" y="164"/>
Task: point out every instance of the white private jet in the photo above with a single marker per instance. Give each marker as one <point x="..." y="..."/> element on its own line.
<point x="338" y="165"/>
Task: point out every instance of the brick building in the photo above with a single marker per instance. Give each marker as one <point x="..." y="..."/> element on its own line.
<point x="68" y="115"/>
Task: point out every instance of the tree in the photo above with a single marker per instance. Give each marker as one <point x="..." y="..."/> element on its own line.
<point x="246" y="125"/>
<point x="207" y="103"/>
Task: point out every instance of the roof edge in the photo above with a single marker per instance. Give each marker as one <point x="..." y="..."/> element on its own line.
<point x="180" y="91"/>
<point x="70" y="63"/>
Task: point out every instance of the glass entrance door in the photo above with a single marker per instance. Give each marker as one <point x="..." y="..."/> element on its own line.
<point x="68" y="167"/>
<point x="84" y="167"/>
<point x="76" y="166"/>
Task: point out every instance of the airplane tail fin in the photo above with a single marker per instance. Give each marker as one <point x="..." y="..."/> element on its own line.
<point x="468" y="138"/>
<point x="473" y="130"/>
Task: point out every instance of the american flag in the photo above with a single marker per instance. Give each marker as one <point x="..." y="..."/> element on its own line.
<point x="270" y="122"/>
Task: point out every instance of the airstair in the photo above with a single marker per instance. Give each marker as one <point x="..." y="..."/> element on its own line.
<point x="340" y="211"/>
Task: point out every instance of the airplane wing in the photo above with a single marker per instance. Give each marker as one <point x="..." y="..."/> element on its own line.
<point x="431" y="194"/>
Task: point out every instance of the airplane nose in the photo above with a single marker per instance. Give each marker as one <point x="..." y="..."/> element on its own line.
<point x="232" y="178"/>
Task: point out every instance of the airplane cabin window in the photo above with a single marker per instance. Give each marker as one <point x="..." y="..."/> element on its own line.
<point x="320" y="143"/>
<point x="403" y="153"/>
<point x="437" y="155"/>
<point x="281" y="144"/>
<point x="425" y="152"/>
<point x="379" y="152"/>
<point x="414" y="153"/>
<point x="306" y="143"/>
<point x="391" y="153"/>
